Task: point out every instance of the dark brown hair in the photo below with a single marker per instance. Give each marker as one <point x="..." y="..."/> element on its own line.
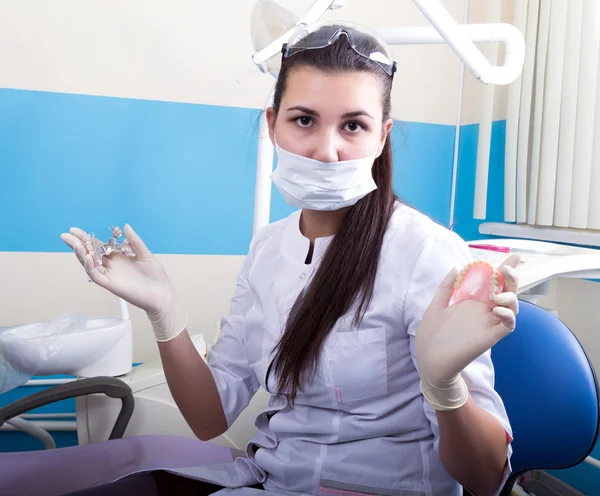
<point x="346" y="275"/>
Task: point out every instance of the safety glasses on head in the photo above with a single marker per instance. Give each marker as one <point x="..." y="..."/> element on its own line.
<point x="363" y="41"/>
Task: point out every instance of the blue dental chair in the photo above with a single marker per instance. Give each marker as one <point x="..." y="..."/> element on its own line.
<point x="542" y="374"/>
<point x="550" y="391"/>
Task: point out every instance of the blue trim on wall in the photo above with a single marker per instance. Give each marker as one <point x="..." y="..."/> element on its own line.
<point x="13" y="441"/>
<point x="64" y="406"/>
<point x="465" y="225"/>
<point x="89" y="161"/>
<point x="423" y="162"/>
<point x="181" y="174"/>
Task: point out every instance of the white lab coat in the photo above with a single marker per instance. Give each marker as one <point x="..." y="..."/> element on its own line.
<point x="362" y="425"/>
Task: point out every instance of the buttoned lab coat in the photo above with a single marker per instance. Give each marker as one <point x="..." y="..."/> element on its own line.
<point x="361" y="425"/>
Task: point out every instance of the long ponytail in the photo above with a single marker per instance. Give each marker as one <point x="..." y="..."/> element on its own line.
<point x="347" y="272"/>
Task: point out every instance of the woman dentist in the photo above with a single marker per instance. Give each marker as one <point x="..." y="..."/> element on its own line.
<point x="341" y="310"/>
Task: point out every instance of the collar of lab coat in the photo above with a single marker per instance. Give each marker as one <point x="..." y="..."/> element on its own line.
<point x="296" y="245"/>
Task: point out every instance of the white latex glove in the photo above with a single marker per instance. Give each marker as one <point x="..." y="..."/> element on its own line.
<point x="449" y="338"/>
<point x="140" y="280"/>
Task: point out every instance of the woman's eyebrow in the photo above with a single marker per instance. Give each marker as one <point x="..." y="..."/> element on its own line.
<point x="306" y="110"/>
<point x="347" y="115"/>
<point x="357" y="113"/>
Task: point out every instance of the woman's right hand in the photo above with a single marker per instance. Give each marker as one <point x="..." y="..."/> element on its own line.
<point x="140" y="280"/>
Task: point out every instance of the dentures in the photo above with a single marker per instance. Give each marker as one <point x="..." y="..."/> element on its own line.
<point x="478" y="281"/>
<point x="97" y="249"/>
<point x="94" y="248"/>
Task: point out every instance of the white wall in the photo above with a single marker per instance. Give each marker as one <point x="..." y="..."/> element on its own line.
<point x="181" y="51"/>
<point x="41" y="286"/>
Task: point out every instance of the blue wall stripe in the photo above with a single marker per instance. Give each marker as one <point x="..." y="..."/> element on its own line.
<point x="64" y="406"/>
<point x="12" y="441"/>
<point x="464" y="223"/>
<point x="181" y="174"/>
<point x="423" y="161"/>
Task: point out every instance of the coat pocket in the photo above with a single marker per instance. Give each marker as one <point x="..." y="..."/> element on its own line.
<point x="357" y="362"/>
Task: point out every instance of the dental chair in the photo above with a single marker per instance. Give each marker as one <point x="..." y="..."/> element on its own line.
<point x="542" y="374"/>
<point x="550" y="391"/>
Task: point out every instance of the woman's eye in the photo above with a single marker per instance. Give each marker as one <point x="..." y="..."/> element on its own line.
<point x="304" y="121"/>
<point x="353" y="127"/>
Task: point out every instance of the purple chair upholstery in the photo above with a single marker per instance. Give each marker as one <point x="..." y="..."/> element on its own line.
<point x="64" y="470"/>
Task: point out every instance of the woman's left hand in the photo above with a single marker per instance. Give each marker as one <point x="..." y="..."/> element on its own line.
<point x="450" y="337"/>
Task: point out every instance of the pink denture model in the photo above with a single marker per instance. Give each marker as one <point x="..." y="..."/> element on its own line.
<point x="98" y="249"/>
<point x="478" y="281"/>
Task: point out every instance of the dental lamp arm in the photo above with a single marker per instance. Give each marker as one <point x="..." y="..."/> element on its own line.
<point x="473" y="33"/>
<point x="443" y="29"/>
<point x="110" y="386"/>
<point x="462" y="44"/>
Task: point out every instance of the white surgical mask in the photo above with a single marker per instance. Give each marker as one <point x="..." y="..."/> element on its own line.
<point x="315" y="185"/>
